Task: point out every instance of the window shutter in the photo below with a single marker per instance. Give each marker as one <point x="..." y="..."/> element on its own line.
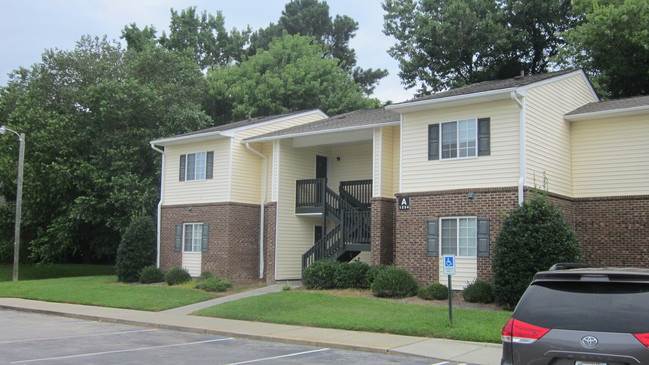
<point x="183" y="159"/>
<point x="483" y="237"/>
<point x="433" y="141"/>
<point x="484" y="133"/>
<point x="178" y="244"/>
<point x="432" y="245"/>
<point x="209" y="162"/>
<point x="205" y="238"/>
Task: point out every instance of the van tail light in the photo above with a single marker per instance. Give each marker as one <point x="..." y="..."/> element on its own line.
<point x="643" y="337"/>
<point x="520" y="332"/>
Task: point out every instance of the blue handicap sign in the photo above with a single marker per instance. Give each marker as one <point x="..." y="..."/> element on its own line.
<point x="449" y="265"/>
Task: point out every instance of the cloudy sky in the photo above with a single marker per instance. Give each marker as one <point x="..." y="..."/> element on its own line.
<point x="28" y="27"/>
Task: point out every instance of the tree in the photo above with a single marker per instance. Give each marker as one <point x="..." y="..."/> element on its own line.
<point x="445" y="44"/>
<point x="89" y="114"/>
<point x="311" y="18"/>
<point x="534" y="237"/>
<point x="292" y="75"/>
<point x="612" y="45"/>
<point x="136" y="250"/>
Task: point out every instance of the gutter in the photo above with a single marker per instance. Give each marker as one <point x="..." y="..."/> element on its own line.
<point x="159" y="220"/>
<point x="264" y="178"/>
<point x="522" y="158"/>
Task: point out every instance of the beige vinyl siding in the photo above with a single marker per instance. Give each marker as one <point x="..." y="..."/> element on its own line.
<point x="498" y="169"/>
<point x="191" y="261"/>
<point x="466" y="272"/>
<point x="194" y="192"/>
<point x="294" y="233"/>
<point x="610" y="156"/>
<point x="355" y="163"/>
<point x="548" y="134"/>
<point x="385" y="164"/>
<point x="396" y="160"/>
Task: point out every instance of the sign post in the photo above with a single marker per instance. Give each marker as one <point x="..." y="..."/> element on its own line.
<point x="449" y="269"/>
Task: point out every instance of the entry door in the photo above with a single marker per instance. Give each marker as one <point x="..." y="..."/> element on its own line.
<point x="320" y="167"/>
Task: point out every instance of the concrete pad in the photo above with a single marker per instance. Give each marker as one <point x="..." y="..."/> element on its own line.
<point x="470" y="352"/>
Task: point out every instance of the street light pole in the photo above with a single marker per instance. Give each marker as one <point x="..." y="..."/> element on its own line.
<point x="19" y="197"/>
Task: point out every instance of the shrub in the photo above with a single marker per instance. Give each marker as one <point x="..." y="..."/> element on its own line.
<point x="478" y="292"/>
<point x="214" y="284"/>
<point x="371" y="274"/>
<point x="205" y="275"/>
<point x="350" y="275"/>
<point x="136" y="250"/>
<point x="177" y="275"/>
<point x="151" y="274"/>
<point x="320" y="275"/>
<point x="533" y="237"/>
<point x="394" y="282"/>
<point x="435" y="291"/>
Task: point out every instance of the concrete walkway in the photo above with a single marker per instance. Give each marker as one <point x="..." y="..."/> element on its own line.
<point x="178" y="319"/>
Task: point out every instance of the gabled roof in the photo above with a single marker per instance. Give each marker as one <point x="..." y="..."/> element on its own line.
<point x="355" y="120"/>
<point x="227" y="130"/>
<point x="611" y="108"/>
<point x="484" y="91"/>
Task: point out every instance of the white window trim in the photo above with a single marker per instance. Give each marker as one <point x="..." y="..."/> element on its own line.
<point x="187" y="166"/>
<point x="192" y="224"/>
<point x="441" y="139"/>
<point x="457" y="243"/>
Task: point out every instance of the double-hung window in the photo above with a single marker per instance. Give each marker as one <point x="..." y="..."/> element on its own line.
<point x="192" y="237"/>
<point x="459" y="139"/>
<point x="459" y="236"/>
<point x="196" y="166"/>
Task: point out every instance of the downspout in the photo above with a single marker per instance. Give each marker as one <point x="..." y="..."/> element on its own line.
<point x="264" y="160"/>
<point x="522" y="168"/>
<point x="159" y="220"/>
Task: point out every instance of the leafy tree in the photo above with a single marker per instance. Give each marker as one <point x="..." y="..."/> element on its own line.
<point x="534" y="237"/>
<point x="88" y="114"/>
<point x="612" y="45"/>
<point x="292" y="75"/>
<point x="137" y="249"/>
<point x="444" y="44"/>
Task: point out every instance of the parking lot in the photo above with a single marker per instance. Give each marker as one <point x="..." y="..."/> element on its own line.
<point x="29" y="338"/>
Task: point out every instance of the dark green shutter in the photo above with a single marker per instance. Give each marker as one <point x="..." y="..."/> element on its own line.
<point x="432" y="244"/>
<point x="484" y="133"/>
<point x="183" y="159"/>
<point x="178" y="243"/>
<point x="205" y="238"/>
<point x="433" y="142"/>
<point x="483" y="237"/>
<point x="209" y="165"/>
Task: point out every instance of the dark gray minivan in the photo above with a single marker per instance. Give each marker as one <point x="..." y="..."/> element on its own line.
<point x="584" y="316"/>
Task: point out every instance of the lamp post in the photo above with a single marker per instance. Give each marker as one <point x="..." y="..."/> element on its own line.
<point x="19" y="197"/>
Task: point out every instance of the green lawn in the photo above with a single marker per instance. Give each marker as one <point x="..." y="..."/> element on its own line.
<point x="365" y="314"/>
<point x="48" y="271"/>
<point x="104" y="291"/>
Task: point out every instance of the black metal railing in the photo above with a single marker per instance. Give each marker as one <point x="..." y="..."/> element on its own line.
<point x="309" y="195"/>
<point x="357" y="192"/>
<point x="325" y="248"/>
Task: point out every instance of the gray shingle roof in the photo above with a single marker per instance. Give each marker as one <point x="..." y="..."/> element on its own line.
<point x="608" y="105"/>
<point x="490" y="86"/>
<point x="357" y="118"/>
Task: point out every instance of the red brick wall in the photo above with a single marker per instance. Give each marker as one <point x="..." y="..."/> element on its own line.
<point x="269" y="241"/>
<point x="233" y="242"/>
<point x="383" y="224"/>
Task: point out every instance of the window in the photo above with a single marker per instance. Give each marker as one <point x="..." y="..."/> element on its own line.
<point x="192" y="237"/>
<point x="459" y="139"/>
<point x="462" y="236"/>
<point x="196" y="166"/>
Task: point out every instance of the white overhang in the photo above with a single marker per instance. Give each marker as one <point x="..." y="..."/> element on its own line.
<point x="451" y="101"/>
<point x="192" y="138"/>
<point x="613" y="113"/>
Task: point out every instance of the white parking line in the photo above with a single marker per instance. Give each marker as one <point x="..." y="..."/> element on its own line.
<point x="118" y="351"/>
<point x="66" y="337"/>
<point x="278" y="357"/>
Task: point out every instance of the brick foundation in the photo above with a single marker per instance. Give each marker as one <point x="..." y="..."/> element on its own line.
<point x="233" y="242"/>
<point x="383" y="224"/>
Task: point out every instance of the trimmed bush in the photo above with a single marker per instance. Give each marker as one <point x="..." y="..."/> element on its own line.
<point x="394" y="282"/>
<point x="371" y="274"/>
<point x="435" y="291"/>
<point x="151" y="274"/>
<point x="478" y="292"/>
<point x="136" y="250"/>
<point x="214" y="284"/>
<point x="350" y="275"/>
<point x="205" y="275"/>
<point x="177" y="275"/>
<point x="320" y="275"/>
<point x="533" y="237"/>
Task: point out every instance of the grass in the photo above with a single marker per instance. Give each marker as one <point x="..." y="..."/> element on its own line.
<point x="48" y="271"/>
<point x="103" y="291"/>
<point x="365" y="314"/>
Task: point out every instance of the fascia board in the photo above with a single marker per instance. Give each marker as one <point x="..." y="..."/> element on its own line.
<point x="271" y="121"/>
<point x="451" y="101"/>
<point x="190" y="138"/>
<point x="354" y="128"/>
<point x="625" y="112"/>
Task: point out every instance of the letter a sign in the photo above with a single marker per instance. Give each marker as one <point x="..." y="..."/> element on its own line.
<point x="404" y="203"/>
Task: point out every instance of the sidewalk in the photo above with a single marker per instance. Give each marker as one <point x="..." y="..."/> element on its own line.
<point x="178" y="319"/>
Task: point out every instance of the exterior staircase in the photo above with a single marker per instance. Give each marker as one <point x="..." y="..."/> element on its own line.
<point x="350" y="211"/>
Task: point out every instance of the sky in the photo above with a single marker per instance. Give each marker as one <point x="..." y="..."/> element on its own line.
<point x="29" y="27"/>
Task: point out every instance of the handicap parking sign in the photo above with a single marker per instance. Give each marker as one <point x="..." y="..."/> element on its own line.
<point x="449" y="264"/>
